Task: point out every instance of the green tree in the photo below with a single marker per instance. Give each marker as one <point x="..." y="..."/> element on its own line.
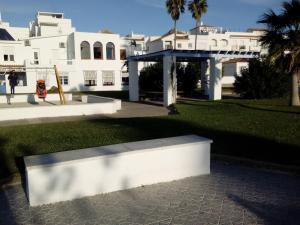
<point x="175" y="8"/>
<point x="283" y="41"/>
<point x="197" y="8"/>
<point x="151" y="77"/>
<point x="262" y="79"/>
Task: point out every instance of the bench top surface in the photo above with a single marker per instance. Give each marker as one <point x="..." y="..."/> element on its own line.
<point x="66" y="156"/>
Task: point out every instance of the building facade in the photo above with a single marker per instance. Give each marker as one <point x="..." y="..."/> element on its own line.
<point x="94" y="61"/>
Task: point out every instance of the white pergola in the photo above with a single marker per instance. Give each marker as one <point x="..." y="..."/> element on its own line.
<point x="169" y="56"/>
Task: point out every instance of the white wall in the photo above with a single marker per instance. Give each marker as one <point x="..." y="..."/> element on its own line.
<point x="232" y="69"/>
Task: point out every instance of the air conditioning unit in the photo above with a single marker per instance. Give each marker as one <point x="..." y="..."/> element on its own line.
<point x="27" y="43"/>
<point x="62" y="45"/>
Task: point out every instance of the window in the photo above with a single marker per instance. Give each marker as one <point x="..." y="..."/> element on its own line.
<point x="179" y="45"/>
<point x="22" y="80"/>
<point x="123" y="54"/>
<point x="36" y="58"/>
<point x="125" y="81"/>
<point x="62" y="45"/>
<point x="108" y="78"/>
<point x="64" y="80"/>
<point x="90" y="78"/>
<point x="98" y="50"/>
<point x="214" y="43"/>
<point x="125" y="78"/>
<point x="168" y="45"/>
<point x="110" y="51"/>
<point x="190" y="45"/>
<point x="7" y="58"/>
<point x="85" y="50"/>
<point x="27" y="43"/>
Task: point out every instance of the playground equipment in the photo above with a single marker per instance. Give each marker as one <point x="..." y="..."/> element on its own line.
<point x="41" y="90"/>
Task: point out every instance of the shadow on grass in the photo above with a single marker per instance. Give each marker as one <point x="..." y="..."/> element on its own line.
<point x="262" y="109"/>
<point x="259" y="107"/>
<point x="225" y="142"/>
<point x="135" y="129"/>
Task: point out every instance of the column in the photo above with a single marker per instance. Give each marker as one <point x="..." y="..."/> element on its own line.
<point x="204" y="76"/>
<point x="170" y="83"/>
<point x="215" y="84"/>
<point x="133" y="81"/>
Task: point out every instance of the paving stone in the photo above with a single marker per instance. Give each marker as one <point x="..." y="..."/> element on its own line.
<point x="232" y="194"/>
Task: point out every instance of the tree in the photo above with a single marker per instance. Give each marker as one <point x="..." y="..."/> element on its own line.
<point x="197" y="8"/>
<point x="151" y="77"/>
<point x="175" y="8"/>
<point x="188" y="80"/>
<point x="283" y="41"/>
<point x="106" y="31"/>
<point x="262" y="79"/>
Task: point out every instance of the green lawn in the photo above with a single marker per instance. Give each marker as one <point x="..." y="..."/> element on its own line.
<point x="266" y="130"/>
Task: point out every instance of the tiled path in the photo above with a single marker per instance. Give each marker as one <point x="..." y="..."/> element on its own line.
<point x="230" y="195"/>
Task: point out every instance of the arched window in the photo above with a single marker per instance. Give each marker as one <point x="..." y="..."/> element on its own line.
<point x="224" y="43"/>
<point x="98" y="50"/>
<point x="110" y="51"/>
<point x="85" y="50"/>
<point x="214" y="43"/>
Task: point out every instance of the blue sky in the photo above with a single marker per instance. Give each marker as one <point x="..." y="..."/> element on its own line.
<point x="139" y="16"/>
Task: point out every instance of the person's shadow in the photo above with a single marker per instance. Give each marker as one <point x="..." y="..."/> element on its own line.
<point x="8" y="97"/>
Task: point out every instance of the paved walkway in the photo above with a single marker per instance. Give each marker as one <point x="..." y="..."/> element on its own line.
<point x="129" y="110"/>
<point x="230" y="195"/>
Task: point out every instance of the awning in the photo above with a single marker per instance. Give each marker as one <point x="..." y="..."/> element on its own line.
<point x="8" y="68"/>
<point x="90" y="75"/>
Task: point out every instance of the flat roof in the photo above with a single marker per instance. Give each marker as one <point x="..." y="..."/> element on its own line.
<point x="192" y="55"/>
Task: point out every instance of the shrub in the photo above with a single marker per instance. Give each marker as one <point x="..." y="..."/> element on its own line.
<point x="151" y="77"/>
<point x="262" y="80"/>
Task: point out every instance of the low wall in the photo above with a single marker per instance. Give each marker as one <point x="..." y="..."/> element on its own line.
<point x="74" y="174"/>
<point x="106" y="106"/>
<point x="31" y="98"/>
<point x="100" y="99"/>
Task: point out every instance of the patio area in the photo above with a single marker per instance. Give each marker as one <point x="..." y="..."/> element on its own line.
<point x="232" y="194"/>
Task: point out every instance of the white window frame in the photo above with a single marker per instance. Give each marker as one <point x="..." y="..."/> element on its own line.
<point x="64" y="78"/>
<point x="108" y="78"/>
<point x="90" y="78"/>
<point x="36" y="60"/>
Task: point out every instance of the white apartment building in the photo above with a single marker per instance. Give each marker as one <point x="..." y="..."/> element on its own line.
<point x="94" y="61"/>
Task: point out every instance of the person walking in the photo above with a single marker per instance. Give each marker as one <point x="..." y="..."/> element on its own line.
<point x="13" y="81"/>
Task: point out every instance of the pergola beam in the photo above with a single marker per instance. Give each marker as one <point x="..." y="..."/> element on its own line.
<point x="168" y="56"/>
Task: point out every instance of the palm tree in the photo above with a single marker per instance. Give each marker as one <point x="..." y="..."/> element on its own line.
<point x="283" y="41"/>
<point x="175" y="8"/>
<point x="197" y="8"/>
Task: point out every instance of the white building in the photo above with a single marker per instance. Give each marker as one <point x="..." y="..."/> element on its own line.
<point x="94" y="61"/>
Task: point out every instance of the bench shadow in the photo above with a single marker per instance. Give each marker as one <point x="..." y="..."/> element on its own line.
<point x="271" y="214"/>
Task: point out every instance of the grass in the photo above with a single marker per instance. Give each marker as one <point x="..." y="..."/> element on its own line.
<point x="266" y="130"/>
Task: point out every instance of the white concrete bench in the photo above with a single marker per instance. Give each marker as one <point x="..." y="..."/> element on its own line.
<point x="74" y="174"/>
